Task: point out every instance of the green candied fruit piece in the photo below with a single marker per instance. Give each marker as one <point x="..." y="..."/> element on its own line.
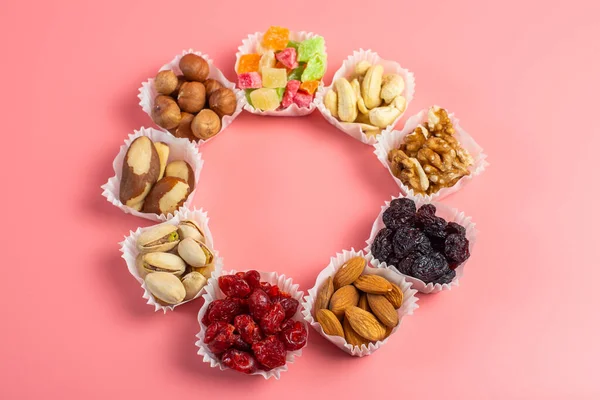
<point x="310" y="48"/>
<point x="280" y="91"/>
<point x="293" y="44"/>
<point x="248" y="99"/>
<point x="296" y="73"/>
<point x="315" y="68"/>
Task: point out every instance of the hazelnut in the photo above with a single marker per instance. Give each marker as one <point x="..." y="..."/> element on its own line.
<point x="166" y="112"/>
<point x="211" y="85"/>
<point x="223" y="102"/>
<point x="180" y="81"/>
<point x="165" y="82"/>
<point x="191" y="97"/>
<point x="206" y="124"/>
<point x="194" y="67"/>
<point x="184" y="130"/>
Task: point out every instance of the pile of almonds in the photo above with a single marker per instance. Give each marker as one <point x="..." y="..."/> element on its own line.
<point x="190" y="105"/>
<point x="360" y="308"/>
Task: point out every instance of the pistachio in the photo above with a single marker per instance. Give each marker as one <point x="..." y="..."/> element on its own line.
<point x="139" y="266"/>
<point x="163" y="262"/>
<point x="206" y="271"/>
<point x="158" y="238"/>
<point x="195" y="253"/>
<point x="190" y="229"/>
<point x="165" y="287"/>
<point x="193" y="283"/>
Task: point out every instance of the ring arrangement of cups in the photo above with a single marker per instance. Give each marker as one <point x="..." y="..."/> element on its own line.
<point x="256" y="322"/>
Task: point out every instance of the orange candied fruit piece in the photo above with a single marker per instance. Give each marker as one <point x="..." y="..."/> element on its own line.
<point x="248" y="63"/>
<point x="309" y="86"/>
<point x="276" y="38"/>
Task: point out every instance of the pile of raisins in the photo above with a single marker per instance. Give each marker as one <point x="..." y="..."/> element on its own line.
<point x="420" y="244"/>
<point x="252" y="328"/>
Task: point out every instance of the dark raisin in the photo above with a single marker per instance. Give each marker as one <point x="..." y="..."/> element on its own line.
<point x="456" y="249"/>
<point x="406" y="204"/>
<point x="393" y="261"/>
<point x="240" y="361"/>
<point x="453" y="227"/>
<point x="382" y="247"/>
<point x="426" y="210"/>
<point x="234" y="286"/>
<point x="294" y="337"/>
<point x="406" y="265"/>
<point x="270" y="353"/>
<point x="430" y="267"/>
<point x="446" y="278"/>
<point x="408" y="239"/>
<point x="394" y="217"/>
<point x="435" y="229"/>
<point x="259" y="303"/>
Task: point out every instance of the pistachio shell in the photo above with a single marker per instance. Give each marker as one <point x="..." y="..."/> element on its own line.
<point x="193" y="283"/>
<point x="163" y="262"/>
<point x="165" y="287"/>
<point x="158" y="238"/>
<point x="190" y="229"/>
<point x="195" y="253"/>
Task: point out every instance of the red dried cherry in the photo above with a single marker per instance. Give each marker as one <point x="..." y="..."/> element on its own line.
<point x="248" y="329"/>
<point x="223" y="310"/>
<point x="240" y="274"/>
<point x="240" y="344"/>
<point x="290" y="306"/>
<point x="266" y="286"/>
<point x="270" y="353"/>
<point x="287" y="324"/>
<point x="294" y="337"/>
<point x="259" y="303"/>
<point x="234" y="286"/>
<point x="273" y="291"/>
<point x="240" y="361"/>
<point x="253" y="278"/>
<point x="205" y="319"/>
<point x="219" y="336"/>
<point x="270" y="323"/>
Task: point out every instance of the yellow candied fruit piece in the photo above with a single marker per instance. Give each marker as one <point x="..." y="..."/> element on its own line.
<point x="276" y="38"/>
<point x="274" y="77"/>
<point x="309" y="86"/>
<point x="248" y="63"/>
<point x="265" y="99"/>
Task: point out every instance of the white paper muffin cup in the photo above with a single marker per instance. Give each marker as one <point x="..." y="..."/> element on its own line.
<point x="213" y="292"/>
<point x="409" y="303"/>
<point x="347" y="70"/>
<point x="180" y="149"/>
<point x="250" y="46"/>
<point x="392" y="139"/>
<point x="450" y="215"/>
<point x="147" y="93"/>
<point x="130" y="252"/>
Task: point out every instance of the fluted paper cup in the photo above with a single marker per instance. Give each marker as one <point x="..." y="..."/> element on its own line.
<point x="213" y="292"/>
<point x="147" y="93"/>
<point x="130" y="253"/>
<point x="392" y="139"/>
<point x="409" y="303"/>
<point x="347" y="70"/>
<point x="450" y="215"/>
<point x="179" y="149"/>
<point x="250" y="46"/>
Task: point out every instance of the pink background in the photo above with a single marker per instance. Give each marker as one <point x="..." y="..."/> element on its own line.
<point x="287" y="194"/>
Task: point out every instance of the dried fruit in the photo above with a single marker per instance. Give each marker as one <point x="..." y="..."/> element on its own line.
<point x="344" y="297"/>
<point x="248" y="328"/>
<point x="223" y="310"/>
<point x="348" y="272"/>
<point x="446" y="278"/>
<point x="382" y="247"/>
<point x="383" y="310"/>
<point x="253" y="278"/>
<point x="219" y="337"/>
<point x="324" y="294"/>
<point x="240" y="361"/>
<point x="294" y="337"/>
<point x="395" y="296"/>
<point x="456" y="249"/>
<point x="408" y="239"/>
<point x="270" y="353"/>
<point x="351" y="336"/>
<point x="239" y="344"/>
<point x="395" y="217"/>
<point x="429" y="268"/>
<point x="330" y="323"/>
<point x="259" y="303"/>
<point x="234" y="286"/>
<point x="365" y="324"/>
<point x="374" y="284"/>
<point x="290" y="306"/>
<point x="270" y="323"/>
<point x="453" y="227"/>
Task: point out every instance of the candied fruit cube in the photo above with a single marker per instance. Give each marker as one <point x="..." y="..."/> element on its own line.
<point x="293" y="45"/>
<point x="310" y="86"/>
<point x="249" y="80"/>
<point x="265" y="99"/>
<point x="267" y="61"/>
<point x="248" y="63"/>
<point x="303" y="99"/>
<point x="287" y="57"/>
<point x="276" y="38"/>
<point x="274" y="77"/>
<point x="280" y="91"/>
<point x="290" y="91"/>
<point x="310" y="48"/>
<point x="315" y="68"/>
<point x="296" y="73"/>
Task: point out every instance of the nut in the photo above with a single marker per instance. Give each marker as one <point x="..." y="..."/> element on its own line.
<point x="162" y="149"/>
<point x="184" y="130"/>
<point x="383" y="116"/>
<point x="223" y="102"/>
<point x="194" y="67"/>
<point x="166" y="196"/>
<point x="344" y="297"/>
<point x="351" y="336"/>
<point x="205" y="271"/>
<point x="195" y="253"/>
<point x="371" y="86"/>
<point x="181" y="169"/>
<point x="165" y="82"/>
<point x="329" y="322"/>
<point x="192" y="97"/>
<point x="348" y="272"/>
<point x="360" y="102"/>
<point x="163" y="262"/>
<point x="193" y="283"/>
<point x="211" y="85"/>
<point x="331" y="102"/>
<point x="190" y="229"/>
<point x="374" y="284"/>
<point x="392" y="86"/>
<point x="363" y="303"/>
<point x="166" y="112"/>
<point x="139" y="266"/>
<point x="365" y="324"/>
<point x="400" y="103"/>
<point x="395" y="296"/>
<point x="347" y="109"/>
<point x="383" y="310"/>
<point x="165" y="287"/>
<point x="324" y="294"/>
<point x="206" y="124"/>
<point x="361" y="68"/>
<point x="158" y="238"/>
<point x="180" y="81"/>
<point x="141" y="167"/>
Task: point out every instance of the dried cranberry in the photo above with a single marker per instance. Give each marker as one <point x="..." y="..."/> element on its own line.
<point x="219" y="337"/>
<point x="238" y="343"/>
<point x="241" y="275"/>
<point x="266" y="286"/>
<point x="259" y="303"/>
<point x="294" y="337"/>
<point x="453" y="227"/>
<point x="270" y="353"/>
<point x="205" y="319"/>
<point x="382" y="247"/>
<point x="270" y="323"/>
<point x="248" y="329"/>
<point x="234" y="286"/>
<point x="290" y="306"/>
<point x="223" y="310"/>
<point x="456" y="249"/>
<point x="240" y="361"/>
<point x="243" y="303"/>
<point x="253" y="278"/>
<point x="288" y="323"/>
<point x="274" y="291"/>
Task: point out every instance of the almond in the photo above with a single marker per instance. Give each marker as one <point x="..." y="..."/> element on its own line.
<point x="351" y="336"/>
<point x="395" y="296"/>
<point x="383" y="309"/>
<point x="364" y="303"/>
<point x="348" y="272"/>
<point x="329" y="322"/>
<point x="365" y="324"/>
<point x="344" y="297"/>
<point x="374" y="284"/>
<point x="324" y="294"/>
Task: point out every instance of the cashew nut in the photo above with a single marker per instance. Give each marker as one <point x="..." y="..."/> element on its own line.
<point x="371" y="86"/>
<point x="393" y="86"/>
<point x="361" y="68"/>
<point x="347" y="109"/>
<point x="383" y="116"/>
<point x="360" y="102"/>
<point x="331" y="102"/>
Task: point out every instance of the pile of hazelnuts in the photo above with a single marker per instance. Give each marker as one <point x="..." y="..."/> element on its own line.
<point x="190" y="105"/>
